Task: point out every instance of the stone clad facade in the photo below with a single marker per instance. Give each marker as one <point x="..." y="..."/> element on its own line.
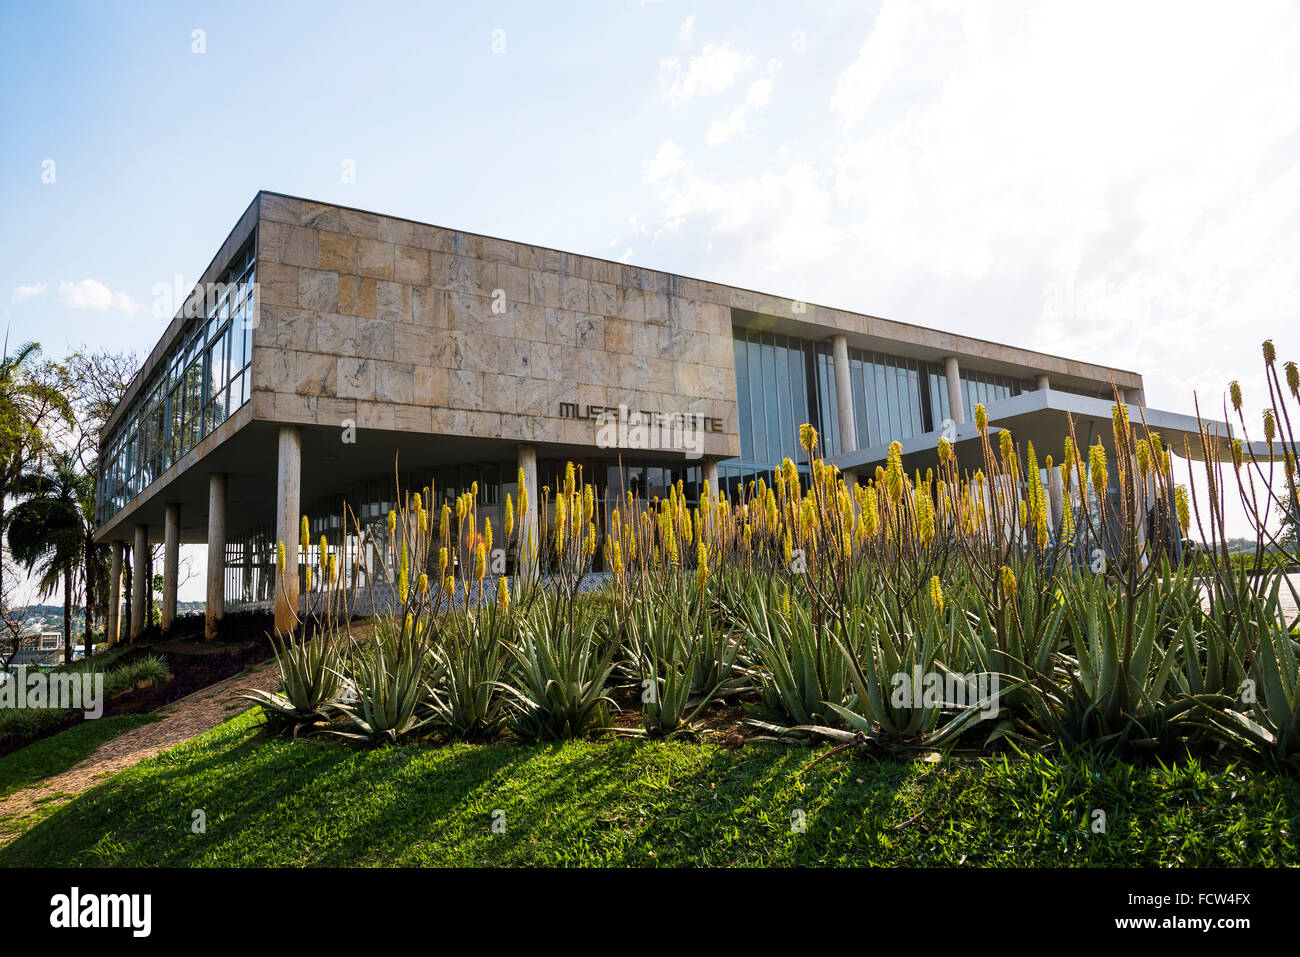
<point x="401" y="326"/>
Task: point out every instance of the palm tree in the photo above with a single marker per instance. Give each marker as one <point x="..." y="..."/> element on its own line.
<point x="96" y="558"/>
<point x="28" y="402"/>
<point x="47" y="530"/>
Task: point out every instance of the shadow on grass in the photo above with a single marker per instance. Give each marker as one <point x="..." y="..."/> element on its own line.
<point x="325" y="802"/>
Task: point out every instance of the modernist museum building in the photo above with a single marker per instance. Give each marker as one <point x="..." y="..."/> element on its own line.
<point x="328" y="354"/>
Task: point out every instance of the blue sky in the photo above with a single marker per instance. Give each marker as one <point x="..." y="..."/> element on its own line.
<point x="1109" y="181"/>
<point x="157" y="149"/>
<point x="1095" y="180"/>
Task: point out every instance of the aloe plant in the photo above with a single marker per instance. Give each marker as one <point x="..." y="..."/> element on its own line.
<point x="676" y="671"/>
<point x="1265" y="714"/>
<point x="388" y="672"/>
<point x="464" y="693"/>
<point x="556" y="688"/>
<point x="894" y="661"/>
<point x="309" y="682"/>
<point x="1114" y="690"/>
<point x="798" y="667"/>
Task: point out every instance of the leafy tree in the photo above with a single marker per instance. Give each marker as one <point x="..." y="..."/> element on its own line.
<point x="94" y="382"/>
<point x="31" y="404"/>
<point x="47" y="530"/>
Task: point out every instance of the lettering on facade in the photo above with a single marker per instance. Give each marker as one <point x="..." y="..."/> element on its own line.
<point x="572" y="410"/>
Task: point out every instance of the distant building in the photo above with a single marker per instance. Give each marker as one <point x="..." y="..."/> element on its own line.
<point x="39" y="648"/>
<point x="41" y="641"/>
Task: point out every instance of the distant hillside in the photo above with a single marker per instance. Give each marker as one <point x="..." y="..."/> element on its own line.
<point x="182" y="607"/>
<point x="50" y="617"/>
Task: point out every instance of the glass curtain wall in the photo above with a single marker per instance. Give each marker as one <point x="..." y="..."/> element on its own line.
<point x="201" y="381"/>
<point x="983" y="388"/>
<point x="781" y="383"/>
<point x="892" y="397"/>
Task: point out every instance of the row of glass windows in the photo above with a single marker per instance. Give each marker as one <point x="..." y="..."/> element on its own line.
<point x="1099" y="392"/>
<point x="200" y="383"/>
<point x="984" y="388"/>
<point x="977" y="388"/>
<point x="893" y="397"/>
<point x="782" y="382"/>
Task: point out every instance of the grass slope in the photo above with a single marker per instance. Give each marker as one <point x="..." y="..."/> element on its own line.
<point x="59" y="753"/>
<point x="317" y="802"/>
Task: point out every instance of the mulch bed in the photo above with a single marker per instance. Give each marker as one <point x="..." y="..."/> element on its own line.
<point x="721" y="721"/>
<point x="192" y="668"/>
<point x="194" y="664"/>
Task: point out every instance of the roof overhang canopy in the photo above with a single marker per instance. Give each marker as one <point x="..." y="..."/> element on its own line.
<point x="1045" y="417"/>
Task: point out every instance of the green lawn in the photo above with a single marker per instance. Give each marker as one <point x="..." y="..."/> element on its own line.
<point x="53" y="755"/>
<point x="320" y="802"/>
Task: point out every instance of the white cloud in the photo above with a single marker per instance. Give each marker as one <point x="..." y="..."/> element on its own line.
<point x="665" y="163"/>
<point x="712" y="71"/>
<point x="27" y="292"/>
<point x="93" y="294"/>
<point x="687" y="31"/>
<point x="760" y="94"/>
<point x="1114" y="183"/>
<point x="773" y="217"/>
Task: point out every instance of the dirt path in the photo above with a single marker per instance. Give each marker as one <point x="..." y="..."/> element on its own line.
<point x="183" y="719"/>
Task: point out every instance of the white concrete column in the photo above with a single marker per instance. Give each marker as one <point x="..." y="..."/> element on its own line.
<point x="215" y="608"/>
<point x="710" y="472"/>
<point x="171" y="563"/>
<point x="113" y="632"/>
<point x="1134" y="397"/>
<point x="139" y="580"/>
<point x="1043" y="383"/>
<point x="844" y="393"/>
<point x="1140" y="505"/>
<point x="952" y="373"/>
<point x="529" y="538"/>
<point x="1055" y="497"/>
<point x="850" y="477"/>
<point x="288" y="511"/>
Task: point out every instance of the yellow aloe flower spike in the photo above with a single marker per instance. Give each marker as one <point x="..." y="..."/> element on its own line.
<point x="936" y="594"/>
<point x="1009" y="581"/>
<point x="808" y="438"/>
<point x="1097" y="467"/>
